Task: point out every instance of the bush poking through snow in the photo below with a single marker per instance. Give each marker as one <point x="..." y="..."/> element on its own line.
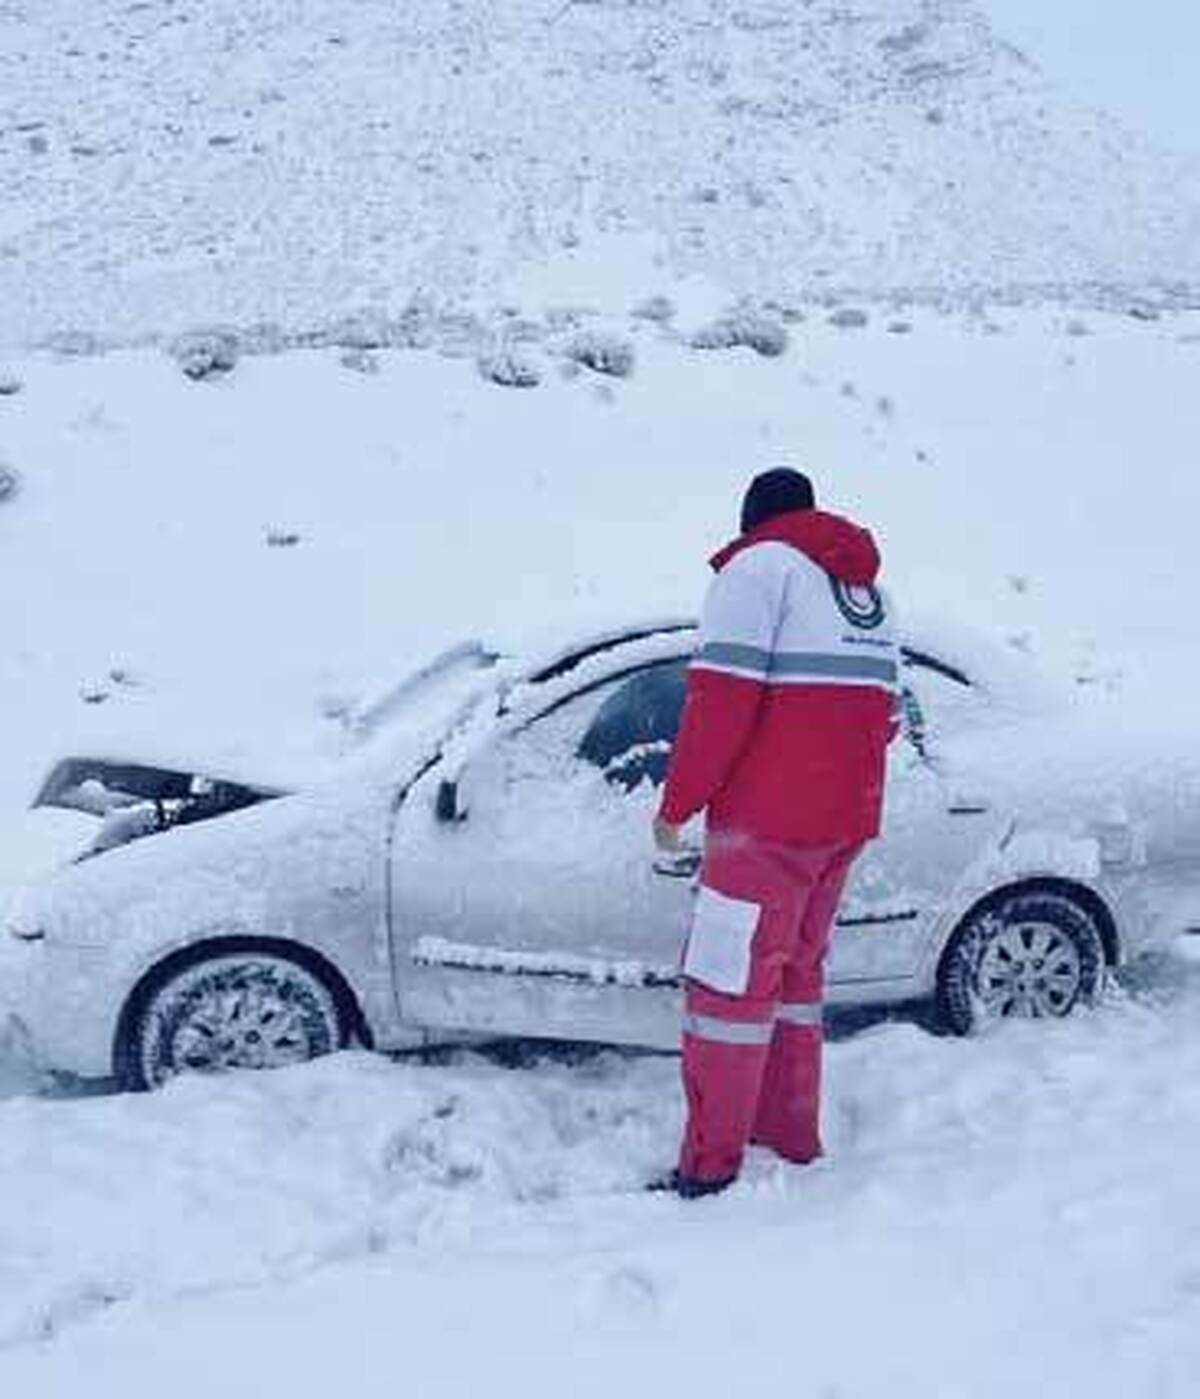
<point x="849" y="318"/>
<point x="603" y="352"/>
<point x="361" y="361"/>
<point x="10" y="482"/>
<point x="368" y="329"/>
<point x="74" y="344"/>
<point x="506" y="366"/>
<point x="655" y="308"/>
<point x="9" y="385"/>
<point x="747" y="328"/>
<point x="205" y="354"/>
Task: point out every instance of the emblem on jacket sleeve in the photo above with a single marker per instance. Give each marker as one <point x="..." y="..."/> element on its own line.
<point x="860" y="603"/>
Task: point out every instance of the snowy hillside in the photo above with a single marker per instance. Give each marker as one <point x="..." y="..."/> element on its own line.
<point x="166" y="163"/>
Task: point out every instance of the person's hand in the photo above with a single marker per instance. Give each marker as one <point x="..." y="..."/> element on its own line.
<point x="668" y="838"/>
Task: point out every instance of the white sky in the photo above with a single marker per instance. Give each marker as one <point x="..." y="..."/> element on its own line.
<point x="1136" y="58"/>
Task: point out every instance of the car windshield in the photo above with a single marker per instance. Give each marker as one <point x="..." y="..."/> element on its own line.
<point x="438" y="681"/>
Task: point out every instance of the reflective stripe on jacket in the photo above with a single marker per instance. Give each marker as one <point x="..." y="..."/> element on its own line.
<point x="792" y="691"/>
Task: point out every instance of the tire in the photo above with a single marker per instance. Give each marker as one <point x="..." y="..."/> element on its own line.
<point x="1031" y="955"/>
<point x="229" y="1010"/>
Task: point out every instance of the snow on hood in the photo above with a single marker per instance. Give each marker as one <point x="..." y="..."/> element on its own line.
<point x="266" y="745"/>
<point x="841" y="548"/>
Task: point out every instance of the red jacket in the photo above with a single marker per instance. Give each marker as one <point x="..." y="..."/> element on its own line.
<point x="792" y="691"/>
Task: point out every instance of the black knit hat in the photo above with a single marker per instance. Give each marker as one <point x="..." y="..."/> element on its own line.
<point x="775" y="493"/>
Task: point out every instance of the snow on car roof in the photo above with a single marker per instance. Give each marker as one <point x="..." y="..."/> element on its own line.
<point x="562" y="650"/>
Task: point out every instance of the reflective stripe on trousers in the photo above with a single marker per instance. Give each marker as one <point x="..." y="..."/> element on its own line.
<point x="800" y="1013"/>
<point x="710" y="1027"/>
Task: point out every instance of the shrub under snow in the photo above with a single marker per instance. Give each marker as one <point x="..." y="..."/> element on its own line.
<point x="10" y="481"/>
<point x="203" y="354"/>
<point x="655" y="308"/>
<point x="368" y="329"/>
<point x="506" y="366"/>
<point x="604" y="352"/>
<point x="362" y="361"/>
<point x="762" y="334"/>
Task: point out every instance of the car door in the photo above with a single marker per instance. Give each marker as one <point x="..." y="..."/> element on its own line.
<point x="540" y="911"/>
<point x="935" y="827"/>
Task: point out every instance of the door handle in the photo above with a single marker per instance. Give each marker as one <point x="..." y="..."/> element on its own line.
<point x="683" y="865"/>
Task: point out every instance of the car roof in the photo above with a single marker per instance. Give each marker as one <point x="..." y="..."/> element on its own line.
<point x="552" y="663"/>
<point x="560" y="661"/>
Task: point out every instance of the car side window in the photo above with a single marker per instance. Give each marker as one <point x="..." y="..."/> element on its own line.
<point x="590" y="752"/>
<point x="630" y="736"/>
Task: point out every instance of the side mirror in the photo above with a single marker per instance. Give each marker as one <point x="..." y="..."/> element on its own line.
<point x="448" y="807"/>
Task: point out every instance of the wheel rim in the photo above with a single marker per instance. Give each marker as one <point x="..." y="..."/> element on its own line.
<point x="1029" y="969"/>
<point x="247" y="1027"/>
<point x="237" y="1013"/>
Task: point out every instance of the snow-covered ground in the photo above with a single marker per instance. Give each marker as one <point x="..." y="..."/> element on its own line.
<point x="998" y="1216"/>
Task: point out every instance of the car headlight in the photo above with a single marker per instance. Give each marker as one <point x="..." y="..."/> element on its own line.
<point x="23" y="920"/>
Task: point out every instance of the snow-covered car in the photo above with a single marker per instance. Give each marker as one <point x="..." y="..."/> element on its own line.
<point x="494" y="876"/>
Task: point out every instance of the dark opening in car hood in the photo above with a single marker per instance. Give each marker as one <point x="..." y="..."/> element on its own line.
<point x="100" y="785"/>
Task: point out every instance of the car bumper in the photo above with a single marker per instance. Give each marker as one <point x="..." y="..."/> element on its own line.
<point x="18" y="978"/>
<point x="1154" y="905"/>
<point x="49" y="1006"/>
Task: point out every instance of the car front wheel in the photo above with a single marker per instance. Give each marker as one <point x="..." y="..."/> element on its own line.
<point x="1030" y="955"/>
<point x="229" y="1010"/>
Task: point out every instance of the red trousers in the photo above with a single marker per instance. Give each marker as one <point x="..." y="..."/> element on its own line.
<point x="755" y="972"/>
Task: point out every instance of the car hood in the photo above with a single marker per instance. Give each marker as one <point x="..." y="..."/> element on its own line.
<point x="162" y="748"/>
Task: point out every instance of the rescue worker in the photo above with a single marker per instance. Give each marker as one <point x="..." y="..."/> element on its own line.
<point x="790" y="708"/>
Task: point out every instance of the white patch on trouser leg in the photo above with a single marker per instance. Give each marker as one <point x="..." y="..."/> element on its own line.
<point x="718" y="948"/>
